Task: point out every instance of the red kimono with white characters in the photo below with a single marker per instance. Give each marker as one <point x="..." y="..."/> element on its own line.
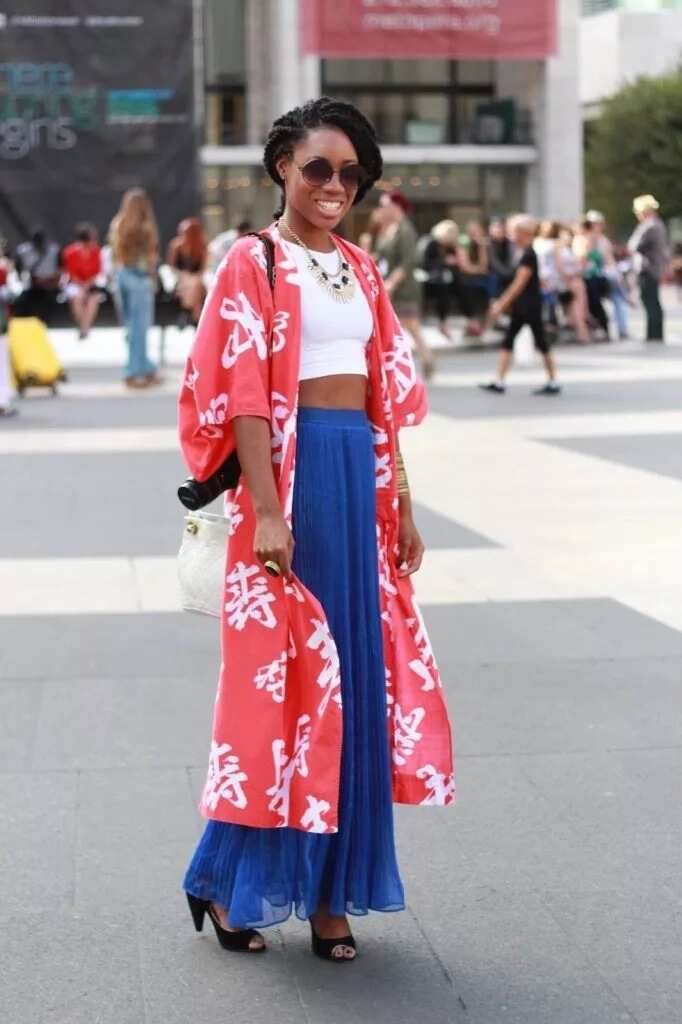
<point x="276" y="751"/>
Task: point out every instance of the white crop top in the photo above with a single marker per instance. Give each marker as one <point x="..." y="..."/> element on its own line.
<point x="334" y="335"/>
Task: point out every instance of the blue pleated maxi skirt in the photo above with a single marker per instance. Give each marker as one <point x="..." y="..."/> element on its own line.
<point x="262" y="874"/>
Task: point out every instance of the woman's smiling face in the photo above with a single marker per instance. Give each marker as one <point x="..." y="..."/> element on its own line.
<point x="323" y="206"/>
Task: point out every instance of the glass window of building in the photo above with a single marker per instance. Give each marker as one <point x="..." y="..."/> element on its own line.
<point x="434" y="102"/>
<point x="225" y="72"/>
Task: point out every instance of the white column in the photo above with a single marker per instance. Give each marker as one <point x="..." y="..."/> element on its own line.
<point x="286" y="54"/>
<point x="259" y="73"/>
<point x="556" y="184"/>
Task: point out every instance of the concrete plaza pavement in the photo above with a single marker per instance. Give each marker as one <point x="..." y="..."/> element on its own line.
<point x="550" y="894"/>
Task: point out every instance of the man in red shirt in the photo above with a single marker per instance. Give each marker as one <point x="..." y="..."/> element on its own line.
<point x="82" y="264"/>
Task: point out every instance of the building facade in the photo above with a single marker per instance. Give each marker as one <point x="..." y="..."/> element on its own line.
<point x="463" y="134"/>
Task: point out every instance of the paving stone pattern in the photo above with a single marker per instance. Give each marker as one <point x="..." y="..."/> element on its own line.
<point x="550" y="894"/>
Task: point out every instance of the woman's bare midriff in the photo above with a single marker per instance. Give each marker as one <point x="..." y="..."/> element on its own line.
<point x="342" y="391"/>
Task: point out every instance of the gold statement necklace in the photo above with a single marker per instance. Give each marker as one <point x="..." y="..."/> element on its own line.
<point x="341" y="284"/>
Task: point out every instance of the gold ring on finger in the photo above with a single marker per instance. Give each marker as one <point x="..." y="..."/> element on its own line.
<point x="272" y="568"/>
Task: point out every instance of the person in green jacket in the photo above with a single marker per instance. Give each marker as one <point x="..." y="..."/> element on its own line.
<point x="396" y="255"/>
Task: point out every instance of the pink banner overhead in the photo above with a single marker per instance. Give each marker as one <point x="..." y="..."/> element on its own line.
<point x="457" y="29"/>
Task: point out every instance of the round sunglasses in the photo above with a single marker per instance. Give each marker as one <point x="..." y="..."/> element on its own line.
<point x="318" y="172"/>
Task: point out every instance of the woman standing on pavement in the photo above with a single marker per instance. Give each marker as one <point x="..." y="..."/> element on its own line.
<point x="309" y="379"/>
<point x="592" y="252"/>
<point x="572" y="294"/>
<point x="396" y="252"/>
<point x="475" y="265"/>
<point x="134" y="240"/>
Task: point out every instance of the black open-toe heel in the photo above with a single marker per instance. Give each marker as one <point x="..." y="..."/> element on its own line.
<point x="324" y="948"/>
<point x="236" y="942"/>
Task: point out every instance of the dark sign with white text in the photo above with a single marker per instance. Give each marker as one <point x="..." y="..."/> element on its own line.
<point x="92" y="104"/>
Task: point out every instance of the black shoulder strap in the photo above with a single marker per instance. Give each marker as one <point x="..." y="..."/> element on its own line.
<point x="269" y="247"/>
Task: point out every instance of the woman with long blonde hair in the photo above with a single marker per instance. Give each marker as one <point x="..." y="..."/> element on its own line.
<point x="134" y="240"/>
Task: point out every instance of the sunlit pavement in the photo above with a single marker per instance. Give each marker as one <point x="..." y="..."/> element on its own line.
<point x="550" y="894"/>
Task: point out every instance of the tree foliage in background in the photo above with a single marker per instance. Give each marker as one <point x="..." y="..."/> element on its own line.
<point x="634" y="147"/>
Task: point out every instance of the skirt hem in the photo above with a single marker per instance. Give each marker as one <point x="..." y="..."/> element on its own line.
<point x="292" y="909"/>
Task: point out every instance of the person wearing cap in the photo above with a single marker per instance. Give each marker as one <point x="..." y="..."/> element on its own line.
<point x="649" y="247"/>
<point x="396" y="254"/>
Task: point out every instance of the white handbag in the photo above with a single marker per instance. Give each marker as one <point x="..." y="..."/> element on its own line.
<point x="201" y="562"/>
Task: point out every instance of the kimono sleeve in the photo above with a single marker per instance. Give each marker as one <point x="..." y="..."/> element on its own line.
<point x="406" y="389"/>
<point x="228" y="369"/>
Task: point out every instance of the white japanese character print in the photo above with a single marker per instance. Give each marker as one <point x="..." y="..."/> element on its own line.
<point x="192" y="376"/>
<point x="390" y="699"/>
<point x="406" y="733"/>
<point x="289" y="264"/>
<point x="440" y="788"/>
<point x="312" y="820"/>
<point x="283" y="423"/>
<point x="233" y="511"/>
<point x="292" y="588"/>
<point x="384" y="571"/>
<point x="287" y="766"/>
<point x="400" y="364"/>
<point x="371" y="277"/>
<point x="279" y="326"/>
<point x="249" y="330"/>
<point x="225" y="778"/>
<point x="257" y="253"/>
<point x="212" y="418"/>
<point x="330" y="677"/>
<point x="424" y="673"/>
<point x="250" y="598"/>
<point x="382" y="461"/>
<point x="425" y="666"/>
<point x="273" y="678"/>
<point x="289" y="499"/>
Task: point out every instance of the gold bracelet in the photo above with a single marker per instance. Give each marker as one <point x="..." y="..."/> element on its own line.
<point x="403" y="483"/>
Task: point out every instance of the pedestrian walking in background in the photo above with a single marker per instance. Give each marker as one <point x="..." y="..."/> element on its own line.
<point x="572" y="292"/>
<point x="188" y="255"/>
<point x="396" y="253"/>
<point x="500" y="256"/>
<point x="444" y="286"/>
<point x="619" y="272"/>
<point x="440" y="265"/>
<point x="82" y="262"/>
<point x="592" y="250"/>
<point x="134" y="240"/>
<point x="523" y="299"/>
<point x="368" y="238"/>
<point x="474" y="262"/>
<point x="38" y="263"/>
<point x="219" y="246"/>
<point x="298" y="794"/>
<point x="613" y="287"/>
<point x="649" y="247"/>
<point x="546" y="245"/>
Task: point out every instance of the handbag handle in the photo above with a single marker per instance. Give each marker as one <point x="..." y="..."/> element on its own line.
<point x="269" y="247"/>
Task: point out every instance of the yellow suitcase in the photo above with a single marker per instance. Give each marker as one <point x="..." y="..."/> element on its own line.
<point x="33" y="359"/>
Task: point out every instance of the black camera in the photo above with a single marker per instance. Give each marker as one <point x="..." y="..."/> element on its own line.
<point x="195" y="495"/>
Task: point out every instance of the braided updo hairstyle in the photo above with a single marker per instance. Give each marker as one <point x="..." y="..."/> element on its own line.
<point x="292" y="127"/>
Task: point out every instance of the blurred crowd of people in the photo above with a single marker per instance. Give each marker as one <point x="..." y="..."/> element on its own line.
<point x="587" y="282"/>
<point x="44" y="275"/>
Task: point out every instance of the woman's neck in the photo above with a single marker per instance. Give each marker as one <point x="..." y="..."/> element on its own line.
<point x="318" y="239"/>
